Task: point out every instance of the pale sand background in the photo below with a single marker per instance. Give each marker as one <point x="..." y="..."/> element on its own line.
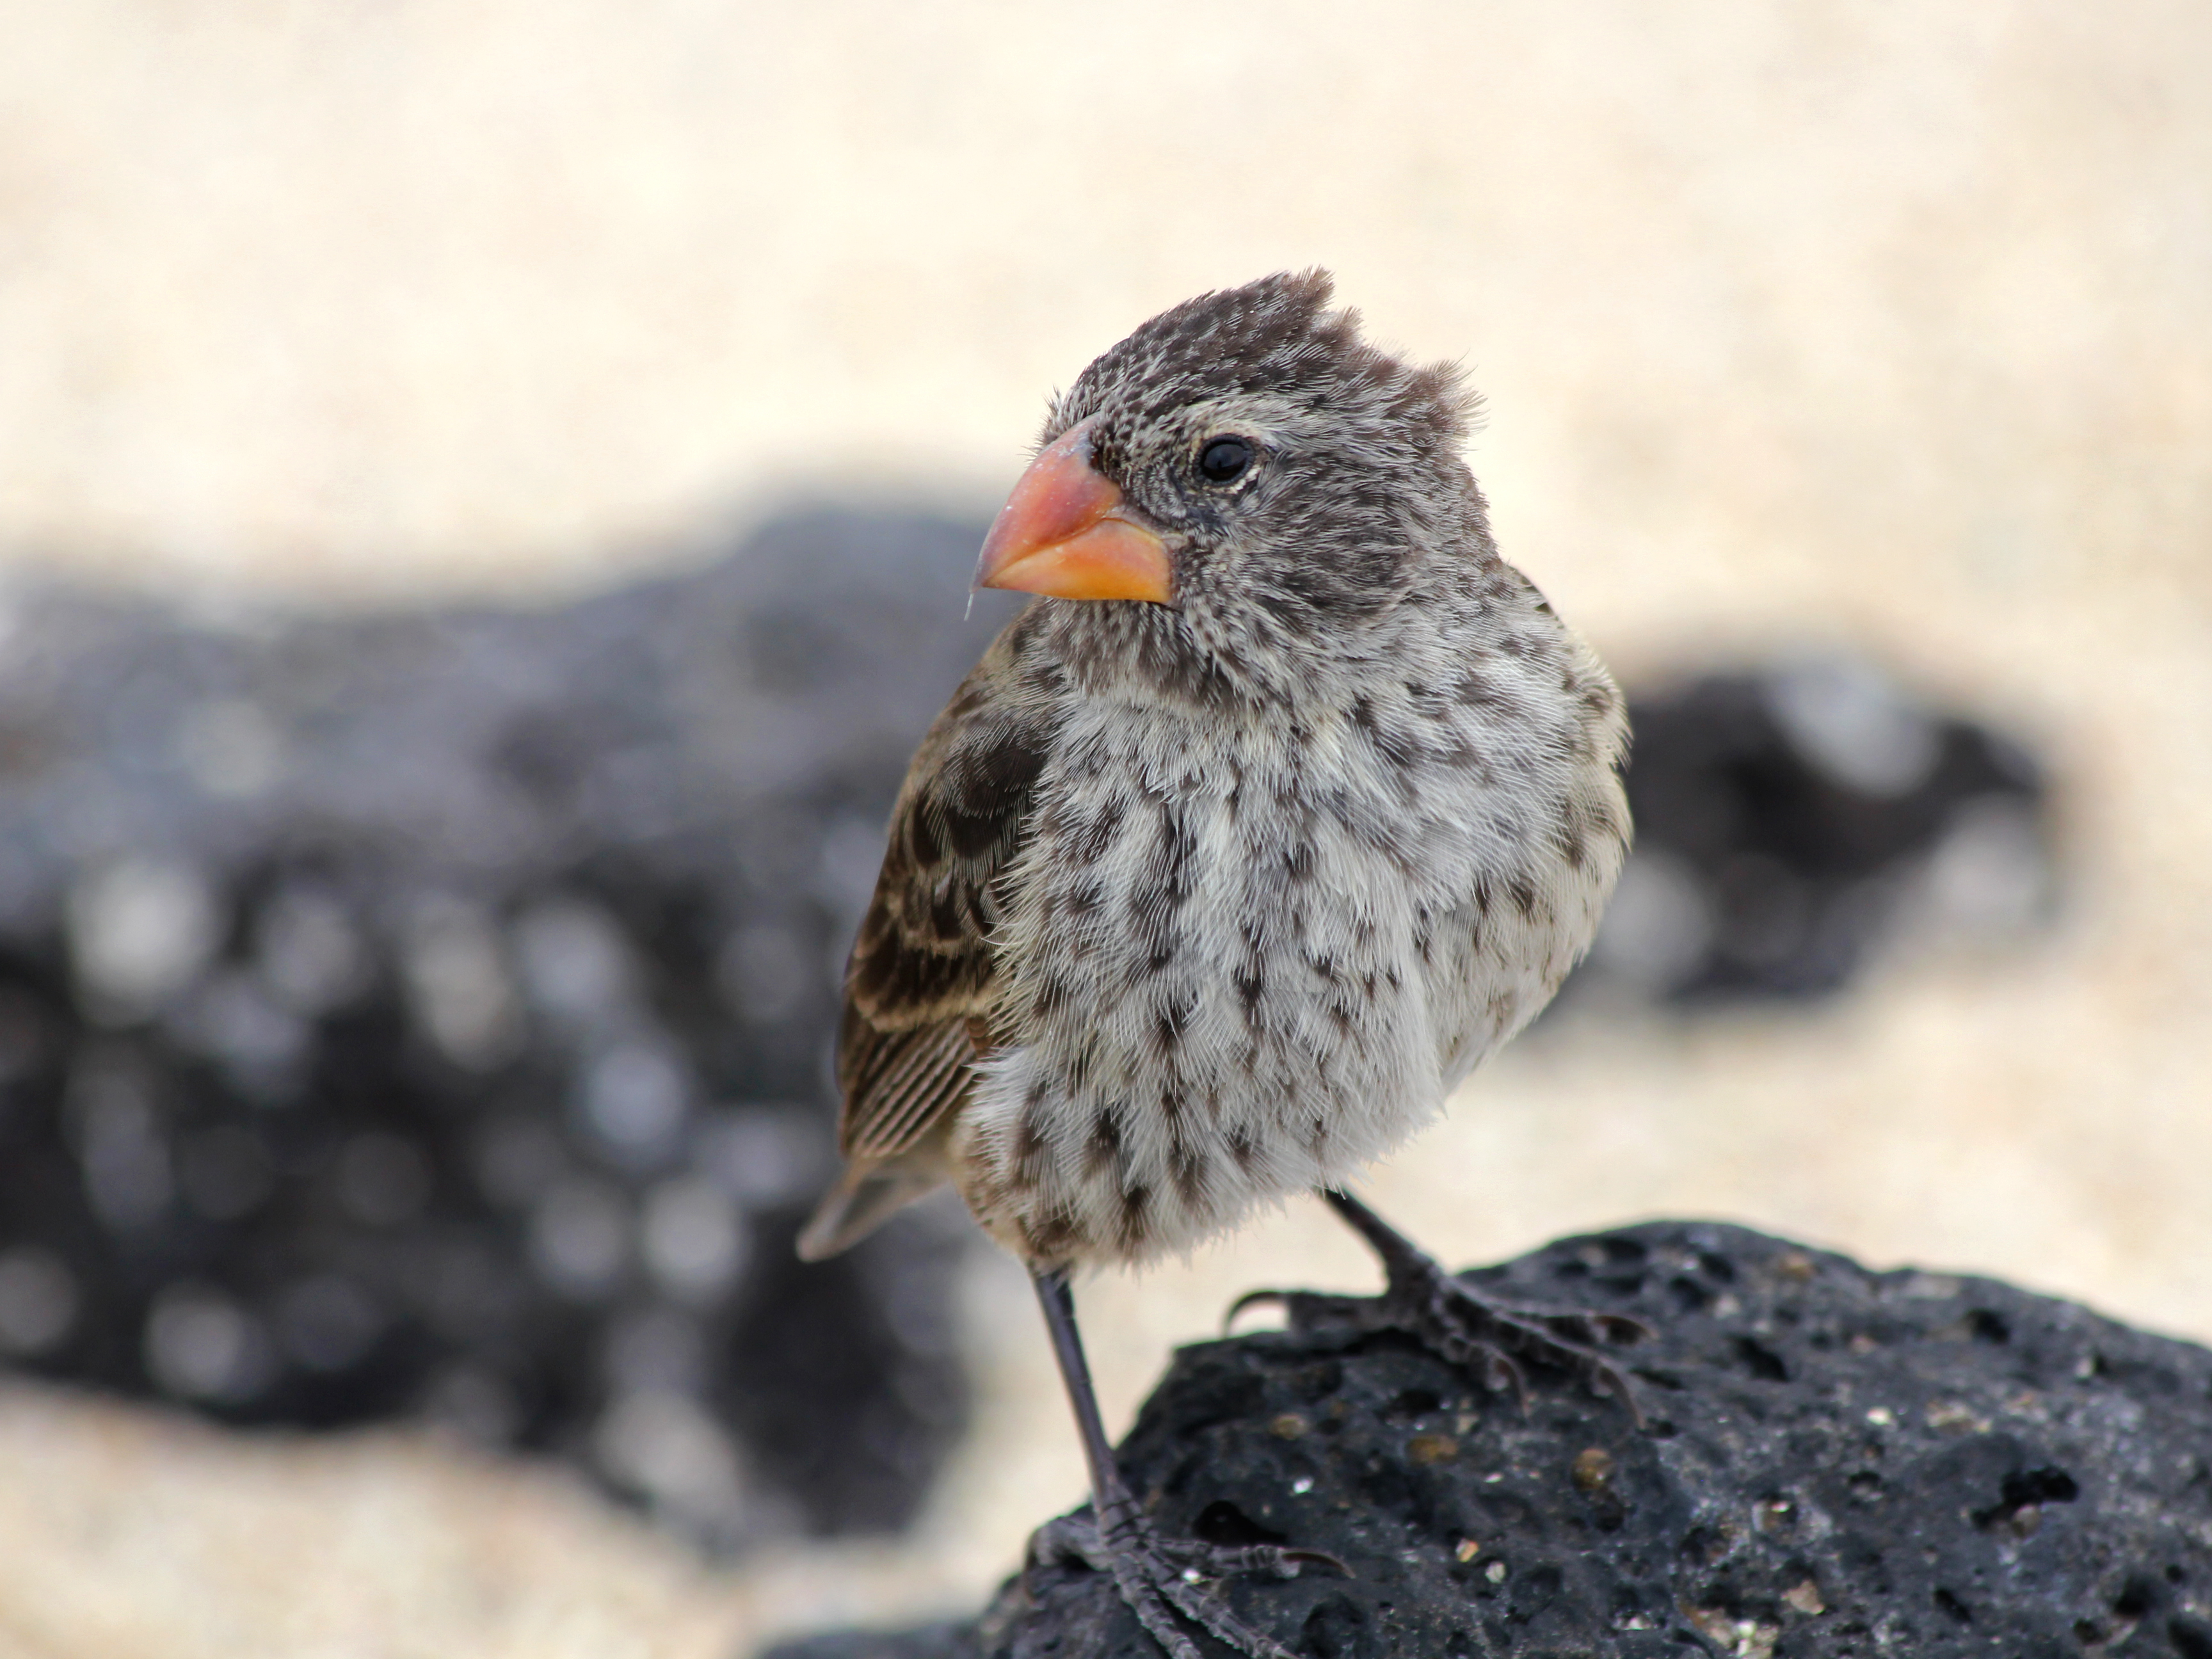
<point x="1881" y="324"/>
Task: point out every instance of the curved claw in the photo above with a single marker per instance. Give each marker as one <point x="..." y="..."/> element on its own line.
<point x="1317" y="1559"/>
<point x="1500" y="1371"/>
<point x="1610" y="1383"/>
<point x="1253" y="1300"/>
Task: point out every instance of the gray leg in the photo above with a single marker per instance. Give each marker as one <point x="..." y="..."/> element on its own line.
<point x="1159" y="1577"/>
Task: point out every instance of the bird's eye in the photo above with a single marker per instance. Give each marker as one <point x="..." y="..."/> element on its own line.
<point x="1223" y="460"/>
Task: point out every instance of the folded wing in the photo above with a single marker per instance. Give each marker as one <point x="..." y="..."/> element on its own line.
<point x="919" y="985"/>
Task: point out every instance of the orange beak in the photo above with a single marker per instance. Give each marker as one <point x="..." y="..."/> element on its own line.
<point x="1065" y="531"/>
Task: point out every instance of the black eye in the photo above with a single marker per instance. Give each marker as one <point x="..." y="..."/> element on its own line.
<point x="1223" y="460"/>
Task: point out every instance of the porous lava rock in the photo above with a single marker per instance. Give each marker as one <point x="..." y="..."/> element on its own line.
<point x="1833" y="1462"/>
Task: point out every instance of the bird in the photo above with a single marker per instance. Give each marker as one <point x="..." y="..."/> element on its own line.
<point x="1283" y="803"/>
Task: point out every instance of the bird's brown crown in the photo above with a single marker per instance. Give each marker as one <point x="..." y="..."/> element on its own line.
<point x="1275" y="337"/>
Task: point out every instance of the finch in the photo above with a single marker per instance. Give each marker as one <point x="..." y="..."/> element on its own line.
<point x="1285" y="802"/>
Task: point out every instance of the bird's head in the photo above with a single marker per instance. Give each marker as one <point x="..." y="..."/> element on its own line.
<point x="1248" y="462"/>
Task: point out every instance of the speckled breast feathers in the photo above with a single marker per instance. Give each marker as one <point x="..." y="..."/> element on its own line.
<point x="1190" y="906"/>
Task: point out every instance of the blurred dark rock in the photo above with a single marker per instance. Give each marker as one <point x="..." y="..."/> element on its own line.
<point x="1835" y="1462"/>
<point x="1793" y="819"/>
<point x="427" y="1015"/>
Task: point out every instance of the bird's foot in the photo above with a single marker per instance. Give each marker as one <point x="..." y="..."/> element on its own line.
<point x="1491" y="1340"/>
<point x="1168" y="1582"/>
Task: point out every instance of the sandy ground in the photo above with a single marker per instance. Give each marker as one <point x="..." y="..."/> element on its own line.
<point x="1836" y="322"/>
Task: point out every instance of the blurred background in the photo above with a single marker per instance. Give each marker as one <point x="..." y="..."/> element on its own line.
<point x="486" y="493"/>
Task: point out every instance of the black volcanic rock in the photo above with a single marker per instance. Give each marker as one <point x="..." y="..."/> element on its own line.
<point x="1835" y="1462"/>
<point x="1792" y="817"/>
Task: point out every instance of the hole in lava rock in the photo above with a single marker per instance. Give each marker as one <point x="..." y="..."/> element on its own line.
<point x="1332" y="1630"/>
<point x="1415" y="1402"/>
<point x="1704" y="1546"/>
<point x="1984" y="1325"/>
<point x="1222" y="1523"/>
<point x="1533" y="1592"/>
<point x="2041" y="1488"/>
<point x="2138" y="1597"/>
<point x="1761" y="1360"/>
<point x="2191" y="1639"/>
<point x="1951" y="1604"/>
<point x="2028" y="1487"/>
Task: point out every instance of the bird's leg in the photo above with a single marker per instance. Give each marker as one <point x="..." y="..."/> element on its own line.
<point x="1492" y="1339"/>
<point x="1159" y="1577"/>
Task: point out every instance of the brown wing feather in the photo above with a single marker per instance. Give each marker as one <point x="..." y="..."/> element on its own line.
<point x="909" y="1080"/>
<point x="918" y="987"/>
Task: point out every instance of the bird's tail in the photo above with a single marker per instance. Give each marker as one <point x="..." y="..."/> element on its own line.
<point x="867" y="1197"/>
